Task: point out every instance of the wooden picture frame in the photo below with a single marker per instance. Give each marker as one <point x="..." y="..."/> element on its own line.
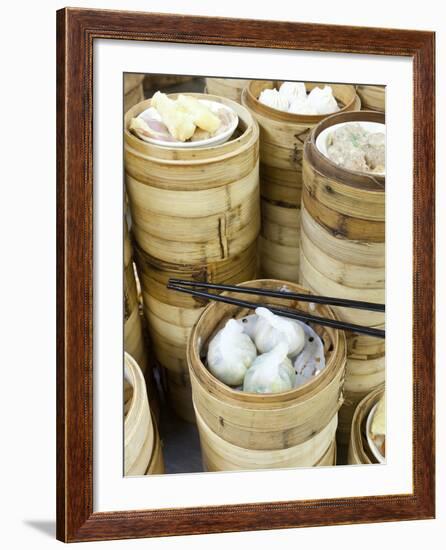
<point x="77" y="29"/>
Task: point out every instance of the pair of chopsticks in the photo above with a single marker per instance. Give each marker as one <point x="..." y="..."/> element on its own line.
<point x="190" y="287"/>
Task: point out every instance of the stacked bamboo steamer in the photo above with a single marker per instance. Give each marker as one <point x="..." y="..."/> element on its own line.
<point x="142" y="446"/>
<point x="231" y="88"/>
<point x="282" y="136"/>
<point x="343" y="255"/>
<point x="133" y="331"/>
<point x="359" y="449"/>
<point x="241" y="430"/>
<point x="196" y="216"/>
<point x="373" y="98"/>
<point x="133" y="90"/>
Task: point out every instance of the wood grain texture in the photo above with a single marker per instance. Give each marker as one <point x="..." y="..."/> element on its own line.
<point x="76" y="31"/>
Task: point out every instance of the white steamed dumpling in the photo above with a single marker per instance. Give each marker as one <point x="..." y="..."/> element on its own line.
<point x="274" y="99"/>
<point x="271" y="329"/>
<point x="271" y="372"/>
<point x="322" y="100"/>
<point x="301" y="106"/>
<point x="230" y="354"/>
<point x="293" y="91"/>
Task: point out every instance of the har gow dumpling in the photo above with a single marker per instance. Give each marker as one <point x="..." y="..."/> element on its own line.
<point x="271" y="329"/>
<point x="274" y="99"/>
<point x="271" y="372"/>
<point x="230" y="354"/>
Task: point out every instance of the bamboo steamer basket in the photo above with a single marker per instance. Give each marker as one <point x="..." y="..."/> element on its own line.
<point x="139" y="428"/>
<point x="133" y="90"/>
<point x="171" y="315"/>
<point x="156" y="465"/>
<point x="282" y="136"/>
<point x="160" y="81"/>
<point x="372" y="97"/>
<point x="359" y="451"/>
<point x="133" y="331"/>
<point x="135" y="334"/>
<point x="266" y="422"/>
<point x="342" y="254"/>
<point x="231" y="88"/>
<point x="362" y="377"/>
<point x="219" y="455"/>
<point x="194" y="206"/>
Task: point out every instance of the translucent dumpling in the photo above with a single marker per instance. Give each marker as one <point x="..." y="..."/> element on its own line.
<point x="271" y="329"/>
<point x="322" y="100"/>
<point x="274" y="99"/>
<point x="293" y="90"/>
<point x="249" y="324"/>
<point x="271" y="372"/>
<point x="230" y="354"/>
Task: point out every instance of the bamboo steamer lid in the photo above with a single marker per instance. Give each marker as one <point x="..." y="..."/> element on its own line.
<point x="272" y="421"/>
<point x="226" y="87"/>
<point x="194" y="205"/>
<point x="359" y="451"/>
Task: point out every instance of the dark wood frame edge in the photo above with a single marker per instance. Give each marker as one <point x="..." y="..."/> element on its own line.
<point x="76" y="31"/>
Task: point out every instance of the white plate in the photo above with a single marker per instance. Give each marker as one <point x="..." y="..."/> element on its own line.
<point x="218" y="139"/>
<point x="379" y="457"/>
<point x="321" y="140"/>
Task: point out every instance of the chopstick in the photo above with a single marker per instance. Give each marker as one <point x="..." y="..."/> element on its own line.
<point x="291" y="314"/>
<point x="328" y="300"/>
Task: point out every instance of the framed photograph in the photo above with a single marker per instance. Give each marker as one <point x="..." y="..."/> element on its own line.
<point x="245" y="275"/>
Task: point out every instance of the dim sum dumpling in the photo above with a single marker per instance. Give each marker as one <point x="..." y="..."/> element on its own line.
<point x="178" y="121"/>
<point x="201" y="115"/>
<point x="293" y="91"/>
<point x="271" y="329"/>
<point x="322" y="100"/>
<point x="271" y="372"/>
<point x="301" y="106"/>
<point x="274" y="99"/>
<point x="230" y="354"/>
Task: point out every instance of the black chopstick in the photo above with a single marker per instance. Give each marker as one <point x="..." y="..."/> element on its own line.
<point x="297" y="315"/>
<point x="328" y="300"/>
